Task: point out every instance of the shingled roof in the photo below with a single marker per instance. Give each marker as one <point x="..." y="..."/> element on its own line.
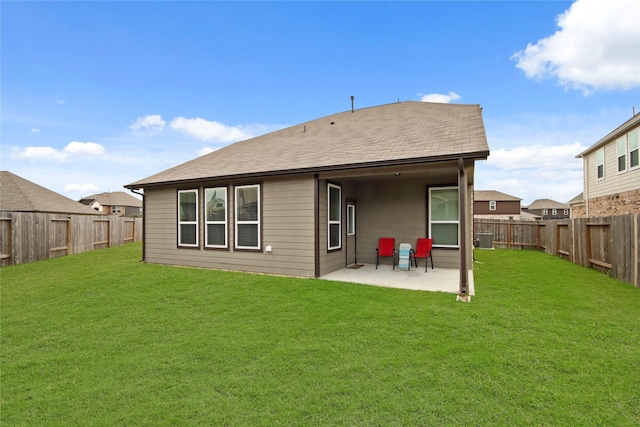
<point x="484" y="195"/>
<point x="392" y="134"/>
<point x="116" y="198"/>
<point x="547" y="204"/>
<point x="20" y="195"/>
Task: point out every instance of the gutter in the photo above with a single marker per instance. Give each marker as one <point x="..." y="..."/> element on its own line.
<point x="478" y="155"/>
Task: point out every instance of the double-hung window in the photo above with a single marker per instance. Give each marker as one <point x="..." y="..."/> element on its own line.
<point x="545" y="211"/>
<point x="492" y="205"/>
<point x="600" y="163"/>
<point x="634" y="161"/>
<point x="334" y="216"/>
<point x="444" y="216"/>
<point x="247" y="202"/>
<point x="215" y="200"/>
<point x="621" y="143"/>
<point x="188" y="218"/>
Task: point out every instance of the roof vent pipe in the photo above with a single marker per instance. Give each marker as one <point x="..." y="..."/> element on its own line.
<point x="352" y="103"/>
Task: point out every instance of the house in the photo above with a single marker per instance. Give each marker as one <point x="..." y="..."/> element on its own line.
<point x="549" y="209"/>
<point x="578" y="206"/>
<point x="20" y="195"/>
<point x="612" y="172"/>
<point x="491" y="204"/>
<point x="114" y="203"/>
<point x="315" y="197"/>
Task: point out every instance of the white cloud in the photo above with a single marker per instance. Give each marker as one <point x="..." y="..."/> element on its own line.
<point x="84" y="148"/>
<point x="40" y="153"/>
<point x="51" y="154"/>
<point x="533" y="172"/>
<point x="61" y="101"/>
<point x="438" y="97"/>
<point x="152" y="123"/>
<point x="84" y="189"/>
<point x="596" y="47"/>
<point x="553" y="158"/>
<point x="34" y="130"/>
<point x="207" y="130"/>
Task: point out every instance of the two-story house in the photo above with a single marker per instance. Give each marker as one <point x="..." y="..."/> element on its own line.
<point x="549" y="209"/>
<point x="491" y="204"/>
<point x="116" y="203"/>
<point x="612" y="173"/>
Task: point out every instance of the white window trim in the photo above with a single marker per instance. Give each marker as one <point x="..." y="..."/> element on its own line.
<point x="351" y="219"/>
<point x="566" y="211"/>
<point x="625" y="153"/>
<point x="237" y="222"/>
<point x="226" y="216"/>
<point x="444" y="222"/>
<point x="492" y="205"/>
<point x="635" y="149"/>
<point x="545" y="211"/>
<point x="554" y="212"/>
<point x="598" y="164"/>
<point x="188" y="245"/>
<point x="330" y="222"/>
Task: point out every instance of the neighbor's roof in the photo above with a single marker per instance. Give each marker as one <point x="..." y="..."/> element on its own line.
<point x="20" y="195"/>
<point x="116" y="198"/>
<point x="392" y="134"/>
<point x="547" y="204"/>
<point x="633" y="122"/>
<point x="577" y="199"/>
<point x="483" y="195"/>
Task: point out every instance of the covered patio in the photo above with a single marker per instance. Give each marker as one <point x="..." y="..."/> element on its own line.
<point x="436" y="280"/>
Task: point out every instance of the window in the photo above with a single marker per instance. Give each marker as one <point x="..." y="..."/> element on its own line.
<point x="621" y="143"/>
<point x="215" y="200"/>
<point x="351" y="219"/>
<point x="334" y="216"/>
<point x="248" y="217"/>
<point x="633" y="150"/>
<point x="188" y="218"/>
<point x="444" y="221"/>
<point x="566" y="211"/>
<point x="600" y="163"/>
<point x="492" y="205"/>
<point x="554" y="212"/>
<point x="545" y="211"/>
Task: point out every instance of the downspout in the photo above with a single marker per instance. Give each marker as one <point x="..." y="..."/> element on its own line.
<point x="585" y="195"/>
<point x="463" y="292"/>
<point x="144" y="218"/>
<point x="316" y="225"/>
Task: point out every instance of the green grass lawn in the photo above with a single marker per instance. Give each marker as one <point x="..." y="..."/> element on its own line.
<point x="101" y="339"/>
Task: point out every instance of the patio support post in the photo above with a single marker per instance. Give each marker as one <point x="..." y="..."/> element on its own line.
<point x="463" y="293"/>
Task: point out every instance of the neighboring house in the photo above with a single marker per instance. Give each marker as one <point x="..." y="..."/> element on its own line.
<point x="549" y="209"/>
<point x="491" y="204"/>
<point x="612" y="172"/>
<point x="117" y="203"/>
<point x="20" y="195"/>
<point x="578" y="206"/>
<point x="315" y="197"/>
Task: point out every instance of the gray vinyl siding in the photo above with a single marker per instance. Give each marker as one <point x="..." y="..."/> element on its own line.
<point x="287" y="226"/>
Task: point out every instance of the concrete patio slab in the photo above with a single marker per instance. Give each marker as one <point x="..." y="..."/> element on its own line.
<point x="436" y="280"/>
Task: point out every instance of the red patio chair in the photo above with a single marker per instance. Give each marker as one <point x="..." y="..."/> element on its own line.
<point x="423" y="250"/>
<point x="386" y="248"/>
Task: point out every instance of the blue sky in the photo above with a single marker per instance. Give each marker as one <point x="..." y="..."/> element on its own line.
<point x="96" y="95"/>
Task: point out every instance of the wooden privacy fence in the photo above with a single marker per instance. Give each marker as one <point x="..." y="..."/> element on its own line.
<point x="610" y="244"/>
<point x="32" y="236"/>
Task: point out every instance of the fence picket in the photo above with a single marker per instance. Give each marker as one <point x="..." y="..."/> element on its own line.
<point x="34" y="236"/>
<point x="609" y="244"/>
